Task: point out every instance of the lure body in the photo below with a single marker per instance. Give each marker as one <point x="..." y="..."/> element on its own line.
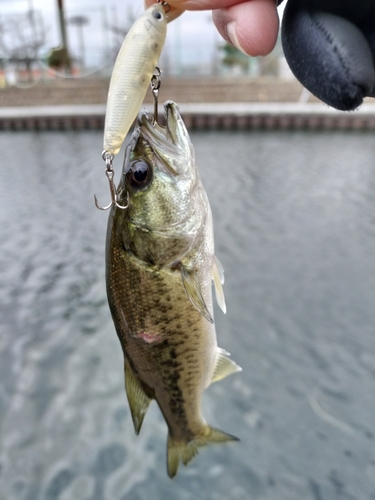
<point x="132" y="74"/>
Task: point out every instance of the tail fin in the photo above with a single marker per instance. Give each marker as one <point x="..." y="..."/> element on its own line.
<point x="187" y="451"/>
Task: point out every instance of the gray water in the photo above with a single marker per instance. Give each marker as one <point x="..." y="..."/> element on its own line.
<point x="295" y="230"/>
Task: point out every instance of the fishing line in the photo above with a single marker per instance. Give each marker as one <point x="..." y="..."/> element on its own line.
<point x="74" y="77"/>
<point x="64" y="76"/>
<point x="327" y="417"/>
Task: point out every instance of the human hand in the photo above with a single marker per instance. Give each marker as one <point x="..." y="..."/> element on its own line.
<point x="251" y="26"/>
<point x="329" y="44"/>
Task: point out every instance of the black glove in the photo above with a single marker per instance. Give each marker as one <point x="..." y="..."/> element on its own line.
<point x="330" y="47"/>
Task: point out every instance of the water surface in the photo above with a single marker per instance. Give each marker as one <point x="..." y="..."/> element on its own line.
<point x="295" y="231"/>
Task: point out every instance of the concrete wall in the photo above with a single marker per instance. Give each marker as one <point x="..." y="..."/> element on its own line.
<point x="191" y="90"/>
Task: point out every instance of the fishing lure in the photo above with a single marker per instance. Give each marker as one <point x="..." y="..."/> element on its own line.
<point x="132" y="73"/>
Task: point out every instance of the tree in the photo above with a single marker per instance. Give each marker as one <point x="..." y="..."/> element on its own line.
<point x="119" y="32"/>
<point x="232" y="58"/>
<point x="21" y="38"/>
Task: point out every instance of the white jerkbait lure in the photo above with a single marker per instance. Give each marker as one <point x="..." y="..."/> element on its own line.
<point x="132" y="74"/>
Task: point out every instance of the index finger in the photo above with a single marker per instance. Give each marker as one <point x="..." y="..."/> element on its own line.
<point x="250" y="25"/>
<point x="196" y="4"/>
<point x="177" y="7"/>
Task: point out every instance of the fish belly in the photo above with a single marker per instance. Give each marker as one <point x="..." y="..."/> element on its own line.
<point x="169" y="345"/>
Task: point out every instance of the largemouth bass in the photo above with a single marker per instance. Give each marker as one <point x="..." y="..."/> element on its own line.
<point x="132" y="73"/>
<point x="160" y="263"/>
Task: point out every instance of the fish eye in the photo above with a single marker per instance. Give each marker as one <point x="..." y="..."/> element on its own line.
<point x="139" y="174"/>
<point x="156" y="14"/>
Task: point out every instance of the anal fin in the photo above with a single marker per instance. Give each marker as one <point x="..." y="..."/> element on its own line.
<point x="138" y="399"/>
<point x="224" y="365"/>
<point x="194" y="293"/>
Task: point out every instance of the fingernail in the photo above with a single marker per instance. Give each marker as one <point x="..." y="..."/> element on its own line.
<point x="231" y="32"/>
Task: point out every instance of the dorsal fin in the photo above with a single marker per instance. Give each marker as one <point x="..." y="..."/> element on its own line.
<point x="224" y="366"/>
<point x="138" y="399"/>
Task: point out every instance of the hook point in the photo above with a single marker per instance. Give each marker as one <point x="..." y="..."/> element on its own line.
<point x="99" y="207"/>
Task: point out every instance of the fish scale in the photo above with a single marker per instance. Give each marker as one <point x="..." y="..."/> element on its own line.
<point x="153" y="308"/>
<point x="162" y="366"/>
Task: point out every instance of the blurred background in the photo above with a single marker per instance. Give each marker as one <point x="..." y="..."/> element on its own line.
<point x="92" y="33"/>
<point x="291" y="184"/>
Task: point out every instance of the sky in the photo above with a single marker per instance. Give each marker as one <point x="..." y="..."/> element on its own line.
<point x="191" y="39"/>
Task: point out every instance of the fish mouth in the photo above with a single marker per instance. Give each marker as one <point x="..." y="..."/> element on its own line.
<point x="171" y="142"/>
<point x="174" y="131"/>
<point x="170" y="109"/>
<point x="173" y="119"/>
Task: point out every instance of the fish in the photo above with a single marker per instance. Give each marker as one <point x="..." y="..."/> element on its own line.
<point x="160" y="263"/>
<point x="132" y="74"/>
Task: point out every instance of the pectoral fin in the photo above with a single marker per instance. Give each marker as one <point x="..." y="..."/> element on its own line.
<point x="218" y="278"/>
<point x="138" y="399"/>
<point x="194" y="293"/>
<point x="224" y="365"/>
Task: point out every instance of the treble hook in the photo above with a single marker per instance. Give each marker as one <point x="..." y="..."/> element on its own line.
<point x="109" y="172"/>
<point x="155" y="86"/>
